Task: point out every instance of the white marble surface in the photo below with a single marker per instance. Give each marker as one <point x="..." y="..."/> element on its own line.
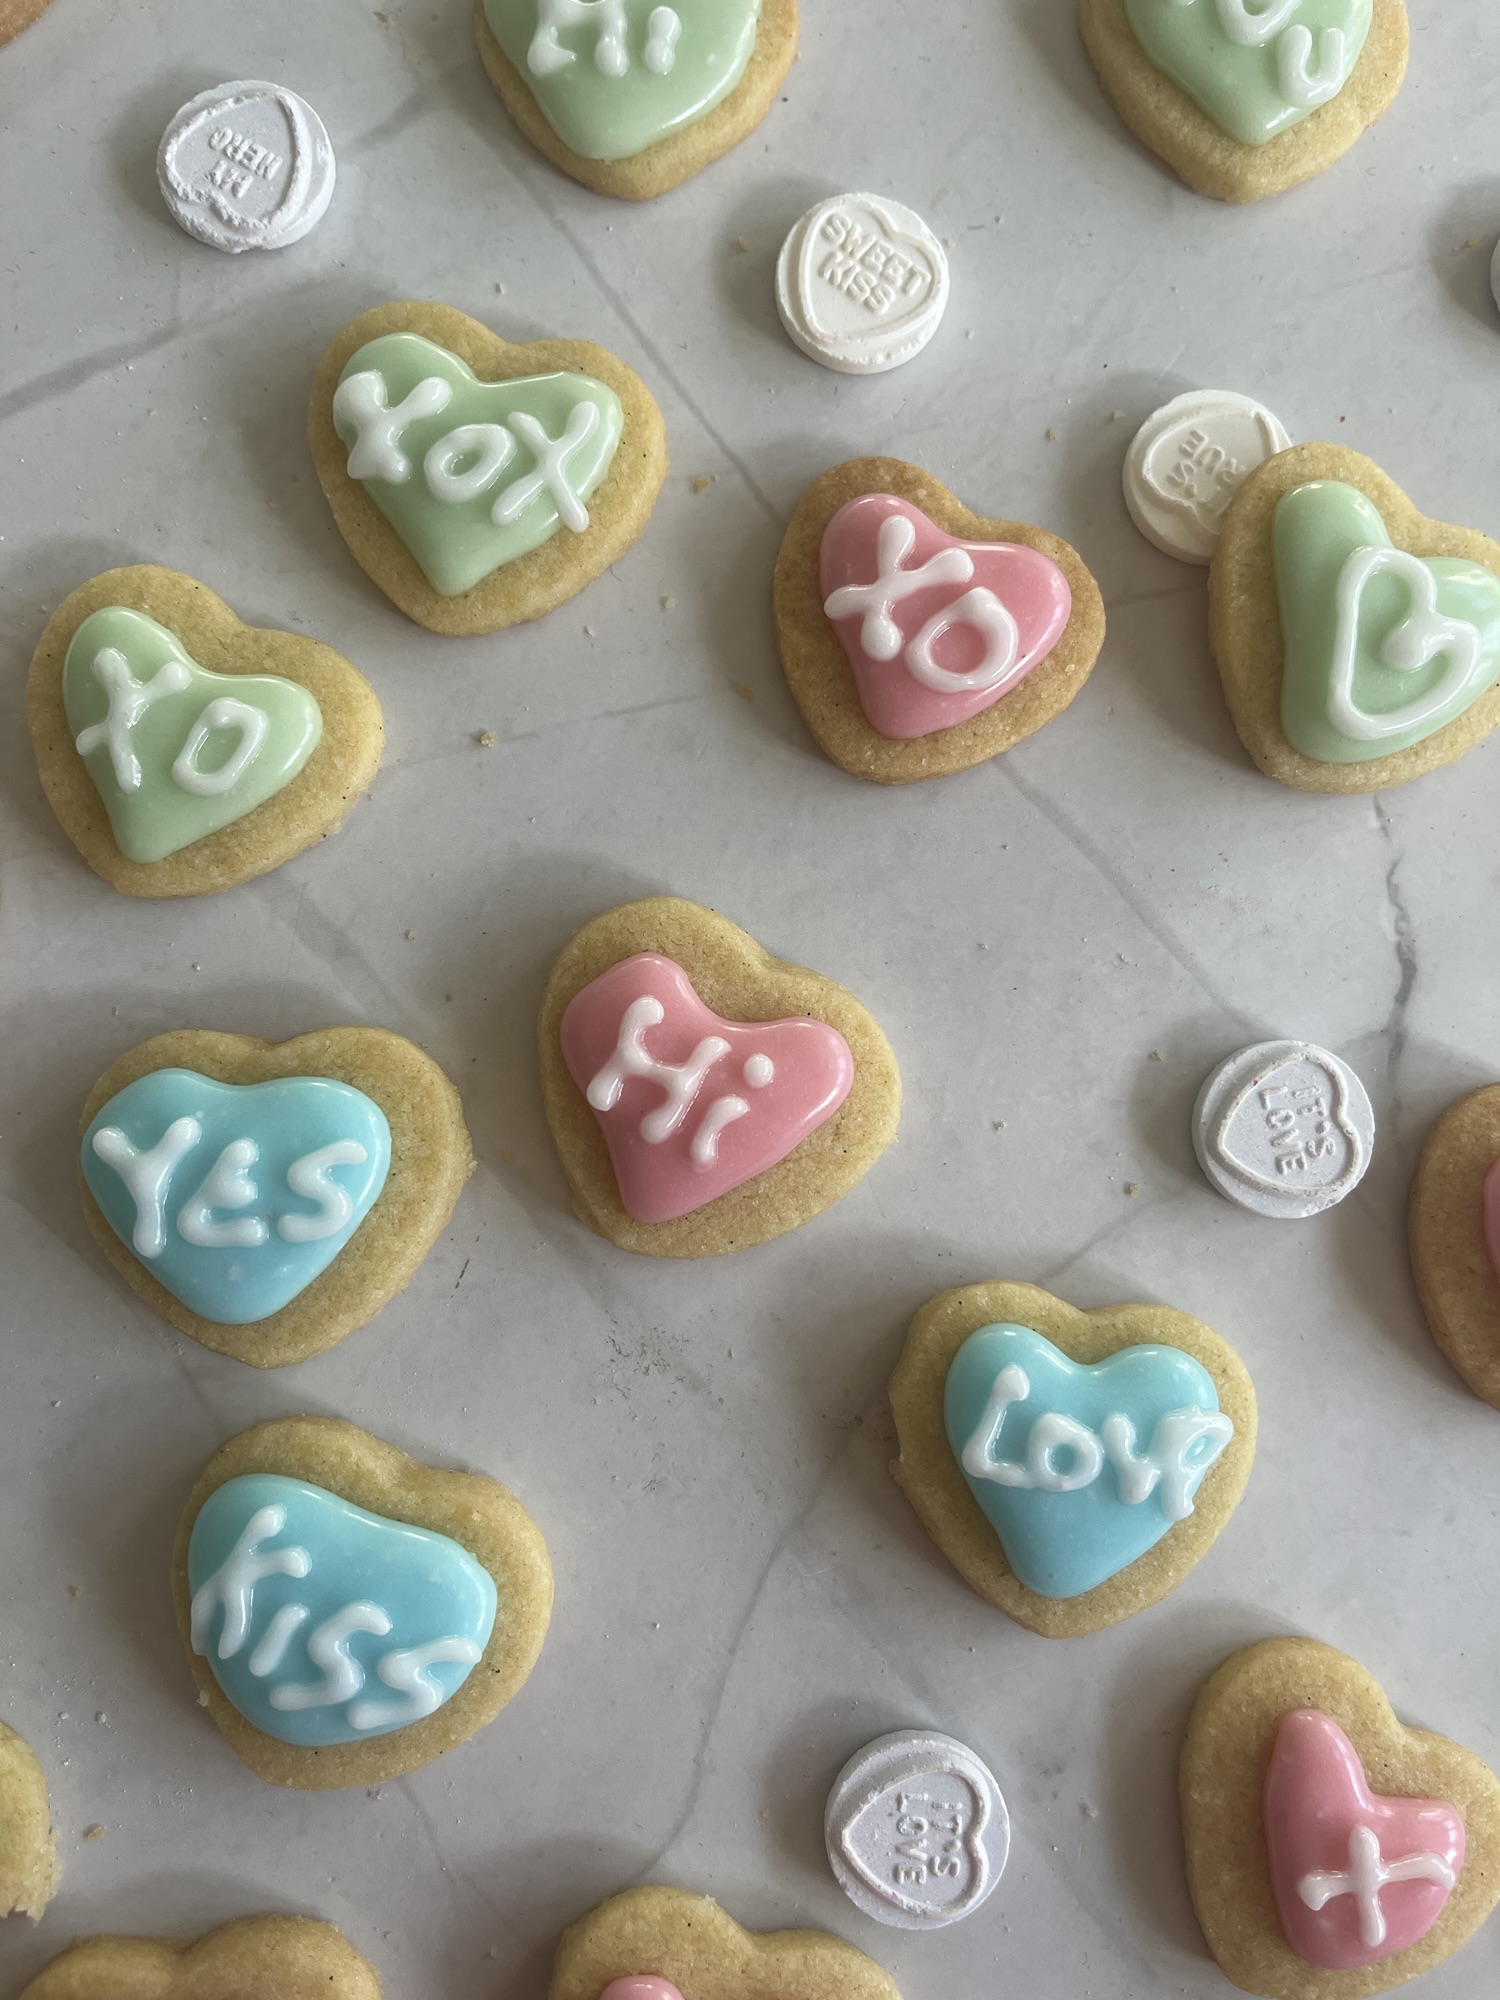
<point x="743" y="1595"/>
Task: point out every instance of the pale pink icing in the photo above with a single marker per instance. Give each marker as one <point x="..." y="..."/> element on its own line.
<point x="1031" y="588"/>
<point x="640" y="1986"/>
<point x="810" y="1073"/>
<point x="1492" y="1216"/>
<point x="1318" y="1808"/>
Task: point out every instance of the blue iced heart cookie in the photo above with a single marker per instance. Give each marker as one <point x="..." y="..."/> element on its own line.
<point x="235" y="1196"/>
<point x="1079" y="1469"/>
<point x="326" y="1624"/>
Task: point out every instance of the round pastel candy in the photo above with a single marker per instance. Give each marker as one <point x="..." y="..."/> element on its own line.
<point x="1187" y="462"/>
<point x="1284" y="1129"/>
<point x="861" y="284"/>
<point x="246" y="166"/>
<point x="916" y="1829"/>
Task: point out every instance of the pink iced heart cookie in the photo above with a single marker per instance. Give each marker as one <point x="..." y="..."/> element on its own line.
<point x="640" y="1986"/>
<point x="1357" y="1877"/>
<point x="692" y="1105"/>
<point x="935" y="629"/>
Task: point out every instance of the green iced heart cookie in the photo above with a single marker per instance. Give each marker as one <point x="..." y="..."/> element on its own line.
<point x="614" y="76"/>
<point x="1255" y="66"/>
<point x="176" y="751"/>
<point x="1382" y="648"/>
<point x="471" y="474"/>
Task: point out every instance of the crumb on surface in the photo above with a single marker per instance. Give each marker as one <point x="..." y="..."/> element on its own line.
<point x="669" y="604"/>
<point x="485" y="738"/>
<point x="409" y="935"/>
<point x="742" y="242"/>
<point x="95" y="1832"/>
<point x="743" y="690"/>
<point x="1052" y="433"/>
<point x="1156" y="1056"/>
<point x="704" y="480"/>
<point x="1132" y="1187"/>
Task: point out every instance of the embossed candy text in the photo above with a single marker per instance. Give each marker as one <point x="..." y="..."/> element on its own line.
<point x="871" y="272"/>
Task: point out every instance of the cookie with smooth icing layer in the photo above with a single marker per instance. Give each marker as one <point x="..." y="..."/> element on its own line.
<point x="631" y="97"/>
<point x="1332" y="1853"/>
<point x="1453" y="1227"/>
<point x="664" y="1944"/>
<point x="267" y="1198"/>
<point x="184" y="751"/>
<point x="253" y="1958"/>
<point x="1072" y="1466"/>
<point x="480" y="482"/>
<point x="349" y="1613"/>
<point x="1358" y="642"/>
<point x="703" y="1095"/>
<point x="918" y="638"/>
<point x="1246" y="98"/>
<point x="29" y="1868"/>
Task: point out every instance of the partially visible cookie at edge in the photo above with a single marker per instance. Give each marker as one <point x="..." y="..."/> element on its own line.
<point x="29" y="1868"/>
<point x="870" y="654"/>
<point x="480" y="482"/>
<point x="655" y="1943"/>
<point x="1453" y="1227"/>
<point x="292" y="1958"/>
<point x="1256" y="140"/>
<point x="184" y="751"/>
<point x="676" y="95"/>
<point x="704" y="1096"/>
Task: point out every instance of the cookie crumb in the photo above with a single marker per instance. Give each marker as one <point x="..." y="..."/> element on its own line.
<point x="485" y="738"/>
<point x="1132" y="1187"/>
<point x="1052" y="434"/>
<point x="409" y="936"/>
<point x="704" y="480"/>
<point x="1156" y="1056"/>
<point x="1471" y="243"/>
<point x="745" y="692"/>
<point x="669" y="604"/>
<point x="75" y="1590"/>
<point x="742" y="242"/>
<point x="588" y="631"/>
<point x="93" y="1833"/>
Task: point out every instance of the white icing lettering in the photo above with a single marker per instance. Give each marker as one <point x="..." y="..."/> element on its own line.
<point x="723" y="1111"/>
<point x="1300" y="84"/>
<point x="1421" y="636"/>
<point x="328" y="1648"/>
<point x="227" y="1184"/>
<point x="253" y="725"/>
<point x="546" y="54"/>
<point x="128" y="701"/>
<point x="491" y="448"/>
<point x="360" y="402"/>
<point x="232" y="1585"/>
<point x="758" y="1071"/>
<point x="278" y="1635"/>
<point x="1251" y="26"/>
<point x="551" y="471"/>
<point x="879" y="635"/>
<point x="407" y="1672"/>
<point x="1367" y="1874"/>
<point x="309" y="1177"/>
<point x="680" y="1081"/>
<point x="1063" y="1455"/>
<point x="988" y="616"/>
<point x="146" y="1175"/>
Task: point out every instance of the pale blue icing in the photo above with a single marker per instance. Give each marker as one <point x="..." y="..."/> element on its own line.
<point x="243" y="1192"/>
<point x="326" y="1624"/>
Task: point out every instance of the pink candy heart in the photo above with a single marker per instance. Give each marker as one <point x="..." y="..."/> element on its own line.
<point x="1357" y="1877"/>
<point x="691" y="1105"/>
<point x="936" y="630"/>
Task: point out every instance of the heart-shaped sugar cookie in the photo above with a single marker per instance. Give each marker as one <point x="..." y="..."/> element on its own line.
<point x="18" y="14"/>
<point x="1072" y="1466"/>
<point x="304" y="1601"/>
<point x="1331" y="1852"/>
<point x="184" y="751"/>
<point x="631" y="97"/>
<point x="1453" y="1227"/>
<point x="703" y="1095"/>
<point x="28" y="1846"/>
<point x="1358" y="642"/>
<point x="919" y="639"/>
<point x="480" y="483"/>
<point x="294" y="1958"/>
<point x="663" y="1944"/>
<point x="1246" y="98"/>
<point x="268" y="1198"/>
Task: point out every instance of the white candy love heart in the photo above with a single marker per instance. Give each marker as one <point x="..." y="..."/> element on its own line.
<point x="916" y="1829"/>
<point x="1284" y="1129"/>
<point x="246" y="166"/>
<point x="861" y="284"/>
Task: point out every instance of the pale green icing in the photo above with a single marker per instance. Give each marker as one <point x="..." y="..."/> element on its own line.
<point x="1234" y="57"/>
<point x="611" y="77"/>
<point x="1343" y="611"/>
<point x="457" y="542"/>
<point x="181" y="738"/>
